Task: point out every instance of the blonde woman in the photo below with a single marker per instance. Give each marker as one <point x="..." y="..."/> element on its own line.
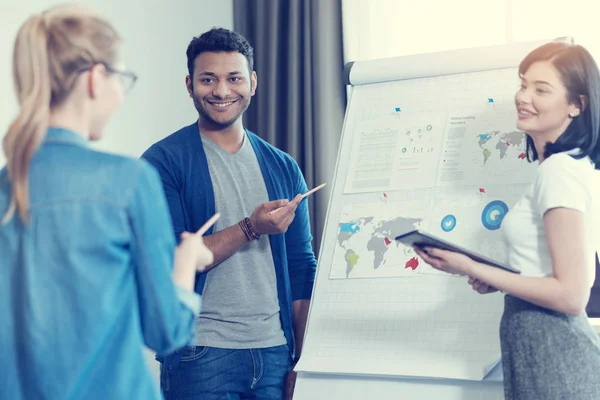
<point x="87" y="250"/>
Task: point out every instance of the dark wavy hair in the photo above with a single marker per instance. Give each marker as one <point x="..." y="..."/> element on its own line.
<point x="579" y="73"/>
<point x="219" y="40"/>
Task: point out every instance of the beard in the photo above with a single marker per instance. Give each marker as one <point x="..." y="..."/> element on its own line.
<point x="207" y="116"/>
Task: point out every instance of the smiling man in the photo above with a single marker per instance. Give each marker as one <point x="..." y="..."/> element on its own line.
<point x="255" y="296"/>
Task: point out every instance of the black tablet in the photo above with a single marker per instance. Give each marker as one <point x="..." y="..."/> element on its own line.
<point x="420" y="238"/>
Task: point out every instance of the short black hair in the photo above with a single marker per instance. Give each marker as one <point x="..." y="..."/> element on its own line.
<point x="219" y="40"/>
<point x="579" y="73"/>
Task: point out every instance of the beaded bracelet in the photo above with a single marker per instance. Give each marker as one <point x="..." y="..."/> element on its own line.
<point x="248" y="230"/>
<point x="255" y="235"/>
<point x="243" y="228"/>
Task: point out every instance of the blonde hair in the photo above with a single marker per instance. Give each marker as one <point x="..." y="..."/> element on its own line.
<point x="51" y="49"/>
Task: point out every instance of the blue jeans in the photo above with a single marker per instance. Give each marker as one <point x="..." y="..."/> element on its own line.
<point x="210" y="373"/>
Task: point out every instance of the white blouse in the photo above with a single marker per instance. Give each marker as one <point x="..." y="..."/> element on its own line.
<point x="561" y="181"/>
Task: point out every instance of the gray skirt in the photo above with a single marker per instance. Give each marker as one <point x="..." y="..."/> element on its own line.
<point x="548" y="355"/>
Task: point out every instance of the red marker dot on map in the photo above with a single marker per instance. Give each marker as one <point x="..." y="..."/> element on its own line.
<point x="413" y="263"/>
<point x="385" y="195"/>
<point x="522" y="156"/>
<point x="387" y="241"/>
<point x="481" y="190"/>
<point x="508" y="143"/>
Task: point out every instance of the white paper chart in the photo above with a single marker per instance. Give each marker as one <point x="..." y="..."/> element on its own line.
<point x="365" y="245"/>
<point x="471" y="217"/>
<point x="484" y="147"/>
<point x="393" y="152"/>
<point x="440" y="153"/>
<point x="425" y="326"/>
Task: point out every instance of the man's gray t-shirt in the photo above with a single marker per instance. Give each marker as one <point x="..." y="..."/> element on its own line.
<point x="240" y="306"/>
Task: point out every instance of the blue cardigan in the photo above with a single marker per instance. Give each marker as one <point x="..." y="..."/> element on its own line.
<point x="181" y="162"/>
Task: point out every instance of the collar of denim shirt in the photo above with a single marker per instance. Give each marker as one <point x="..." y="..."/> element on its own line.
<point x="56" y="134"/>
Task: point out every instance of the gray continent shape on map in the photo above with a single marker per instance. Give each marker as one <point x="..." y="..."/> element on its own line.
<point x="343" y="237"/>
<point x="514" y="138"/>
<point x="389" y="229"/>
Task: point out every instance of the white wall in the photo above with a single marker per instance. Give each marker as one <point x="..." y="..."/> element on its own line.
<point x="156" y="34"/>
<point x="390" y="28"/>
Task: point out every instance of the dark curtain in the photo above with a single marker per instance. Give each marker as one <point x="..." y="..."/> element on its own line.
<point x="301" y="97"/>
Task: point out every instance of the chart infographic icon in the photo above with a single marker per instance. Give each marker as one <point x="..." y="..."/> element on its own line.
<point x="493" y="214"/>
<point x="448" y="223"/>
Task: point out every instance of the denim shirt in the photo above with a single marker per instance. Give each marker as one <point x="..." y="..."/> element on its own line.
<point x="87" y="281"/>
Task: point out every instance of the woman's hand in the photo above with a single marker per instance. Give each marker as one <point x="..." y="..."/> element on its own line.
<point x="481" y="287"/>
<point x="193" y="249"/>
<point x="444" y="260"/>
<point x="191" y="256"/>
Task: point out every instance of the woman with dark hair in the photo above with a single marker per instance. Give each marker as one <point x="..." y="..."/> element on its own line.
<point x="549" y="349"/>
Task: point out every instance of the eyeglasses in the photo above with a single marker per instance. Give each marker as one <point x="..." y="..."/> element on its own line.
<point x="128" y="78"/>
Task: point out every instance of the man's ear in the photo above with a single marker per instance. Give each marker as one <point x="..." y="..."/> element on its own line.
<point x="189" y="85"/>
<point x="253" y="83"/>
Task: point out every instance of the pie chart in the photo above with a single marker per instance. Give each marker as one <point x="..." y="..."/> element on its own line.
<point x="448" y="223"/>
<point x="493" y="214"/>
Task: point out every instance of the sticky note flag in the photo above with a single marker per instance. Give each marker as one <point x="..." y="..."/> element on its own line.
<point x="490" y="100"/>
<point x="398" y="109"/>
<point x="481" y="190"/>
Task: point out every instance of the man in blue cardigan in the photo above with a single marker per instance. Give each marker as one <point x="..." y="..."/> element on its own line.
<point x="255" y="297"/>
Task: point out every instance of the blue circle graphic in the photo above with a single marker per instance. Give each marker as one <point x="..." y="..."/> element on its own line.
<point x="493" y="214"/>
<point x="448" y="223"/>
